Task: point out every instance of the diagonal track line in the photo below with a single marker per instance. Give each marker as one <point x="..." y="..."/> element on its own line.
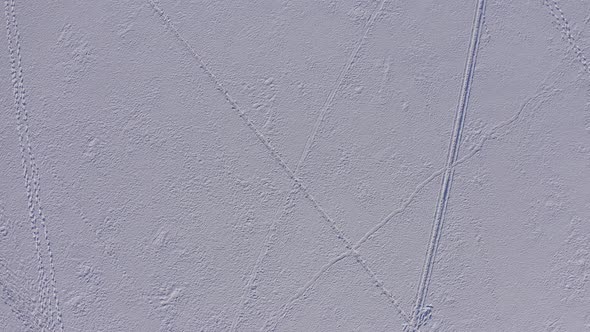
<point x="251" y="126"/>
<point x="290" y="304"/>
<point x="296" y="180"/>
<point x="305" y="152"/>
<point x="339" y="81"/>
<point x="18" y="294"/>
<point x="566" y="31"/>
<point x="447" y="180"/>
<point x="541" y="95"/>
<point x="49" y="305"/>
<point x="543" y="92"/>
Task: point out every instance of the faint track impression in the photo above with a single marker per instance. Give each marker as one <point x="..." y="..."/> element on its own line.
<point x="290" y="199"/>
<point x="540" y="96"/>
<point x="16" y="292"/>
<point x="47" y="287"/>
<point x="566" y="31"/>
<point x="277" y="157"/>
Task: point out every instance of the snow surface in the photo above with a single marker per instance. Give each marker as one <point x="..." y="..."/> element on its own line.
<point x="295" y="165"/>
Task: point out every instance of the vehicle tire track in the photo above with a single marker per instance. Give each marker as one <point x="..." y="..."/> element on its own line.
<point x="453" y="153"/>
<point x="36" y="215"/>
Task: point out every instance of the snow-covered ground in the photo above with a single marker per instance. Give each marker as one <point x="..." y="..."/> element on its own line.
<point x="303" y="165"/>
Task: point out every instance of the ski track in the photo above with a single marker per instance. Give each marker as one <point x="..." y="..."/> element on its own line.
<point x="36" y="216"/>
<point x="453" y="152"/>
<point x="276" y="156"/>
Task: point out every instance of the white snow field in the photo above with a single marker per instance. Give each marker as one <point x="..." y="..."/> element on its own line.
<point x="295" y="165"/>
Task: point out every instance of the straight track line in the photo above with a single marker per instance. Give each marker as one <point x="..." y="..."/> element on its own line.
<point x="447" y="180"/>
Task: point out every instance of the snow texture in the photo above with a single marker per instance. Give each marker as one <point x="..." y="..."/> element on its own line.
<point x="295" y="165"/>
